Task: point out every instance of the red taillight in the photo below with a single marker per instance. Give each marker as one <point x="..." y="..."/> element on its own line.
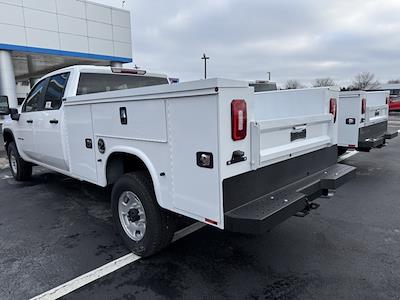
<point x="333" y="109"/>
<point x="239" y="119"/>
<point x="363" y="105"/>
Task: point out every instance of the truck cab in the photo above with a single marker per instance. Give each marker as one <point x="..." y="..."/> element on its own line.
<point x="40" y="129"/>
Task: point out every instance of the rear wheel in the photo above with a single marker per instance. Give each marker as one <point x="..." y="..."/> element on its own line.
<point x="143" y="225"/>
<point x="20" y="169"/>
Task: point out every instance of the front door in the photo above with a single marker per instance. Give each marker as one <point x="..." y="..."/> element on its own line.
<point x="49" y="139"/>
<point x="24" y="128"/>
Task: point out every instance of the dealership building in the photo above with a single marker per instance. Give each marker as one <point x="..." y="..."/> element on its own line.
<point x="37" y="37"/>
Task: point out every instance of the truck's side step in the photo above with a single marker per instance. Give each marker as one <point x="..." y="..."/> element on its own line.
<point x="264" y="213"/>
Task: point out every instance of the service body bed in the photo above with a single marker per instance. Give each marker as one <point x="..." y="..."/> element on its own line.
<point x="286" y="159"/>
<point x="378" y="112"/>
<point x="363" y="120"/>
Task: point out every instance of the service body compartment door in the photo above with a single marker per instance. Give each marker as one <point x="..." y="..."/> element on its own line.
<point x="193" y="128"/>
<point x="80" y="141"/>
<point x="350" y="118"/>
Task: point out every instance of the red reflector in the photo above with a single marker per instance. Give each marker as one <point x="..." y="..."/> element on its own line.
<point x="211" y="221"/>
<point x="363" y="105"/>
<point x="333" y="108"/>
<point x="239" y="119"/>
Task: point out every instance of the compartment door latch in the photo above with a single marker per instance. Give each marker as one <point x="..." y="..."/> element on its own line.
<point x="237" y="156"/>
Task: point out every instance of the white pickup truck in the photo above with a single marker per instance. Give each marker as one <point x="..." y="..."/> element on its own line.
<point x="363" y="120"/>
<point x="209" y="150"/>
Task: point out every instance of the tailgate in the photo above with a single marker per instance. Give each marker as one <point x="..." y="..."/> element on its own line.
<point x="291" y="123"/>
<point x="280" y="139"/>
<point x="376" y="114"/>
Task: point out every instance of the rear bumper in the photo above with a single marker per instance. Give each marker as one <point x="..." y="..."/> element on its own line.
<point x="266" y="210"/>
<point x="371" y="143"/>
<point x="372" y="136"/>
<point x="391" y="135"/>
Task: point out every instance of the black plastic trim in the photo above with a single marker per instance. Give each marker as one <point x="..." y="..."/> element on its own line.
<point x="372" y="136"/>
<point x="269" y="210"/>
<point x="372" y="131"/>
<point x="391" y="135"/>
<point x="243" y="188"/>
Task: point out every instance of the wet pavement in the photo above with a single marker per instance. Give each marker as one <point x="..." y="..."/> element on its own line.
<point x="54" y="229"/>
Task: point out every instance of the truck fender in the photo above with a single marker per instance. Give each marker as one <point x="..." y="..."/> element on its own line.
<point x="146" y="161"/>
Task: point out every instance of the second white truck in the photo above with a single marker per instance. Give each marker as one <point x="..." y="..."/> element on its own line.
<point x="363" y="120"/>
<point x="210" y="150"/>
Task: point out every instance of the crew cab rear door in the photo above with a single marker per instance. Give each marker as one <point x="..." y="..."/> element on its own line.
<point x="49" y="142"/>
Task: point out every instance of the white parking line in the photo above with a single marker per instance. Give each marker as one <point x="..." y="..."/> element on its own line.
<point x="347" y="155"/>
<point x="87" y="278"/>
<point x="102" y="271"/>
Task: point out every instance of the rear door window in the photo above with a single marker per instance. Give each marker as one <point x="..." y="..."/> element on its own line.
<point x="55" y="91"/>
<point x="90" y="83"/>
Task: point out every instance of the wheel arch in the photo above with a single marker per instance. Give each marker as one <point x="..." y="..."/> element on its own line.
<point x="8" y="137"/>
<point x="124" y="160"/>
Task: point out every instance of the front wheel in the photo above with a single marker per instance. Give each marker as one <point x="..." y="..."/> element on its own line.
<point x="20" y="169"/>
<point x="143" y="225"/>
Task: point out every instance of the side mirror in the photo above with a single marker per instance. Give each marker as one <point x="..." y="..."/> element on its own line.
<point x="14" y="114"/>
<point x="4" y="108"/>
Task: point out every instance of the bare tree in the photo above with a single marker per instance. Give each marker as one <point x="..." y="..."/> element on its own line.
<point x="394" y="81"/>
<point x="293" y="84"/>
<point x="321" y="82"/>
<point x="365" y="81"/>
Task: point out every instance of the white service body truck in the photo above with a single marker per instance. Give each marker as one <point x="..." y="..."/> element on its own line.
<point x="209" y="150"/>
<point x="363" y="120"/>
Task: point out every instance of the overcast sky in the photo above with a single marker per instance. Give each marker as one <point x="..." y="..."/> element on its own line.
<point x="293" y="39"/>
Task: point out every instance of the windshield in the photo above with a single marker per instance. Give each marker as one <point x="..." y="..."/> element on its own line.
<point x="90" y="83"/>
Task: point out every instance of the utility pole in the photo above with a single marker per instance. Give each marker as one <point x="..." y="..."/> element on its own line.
<point x="269" y="76"/>
<point x="205" y="58"/>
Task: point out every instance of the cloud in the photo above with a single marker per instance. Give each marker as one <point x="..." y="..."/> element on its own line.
<point x="301" y="39"/>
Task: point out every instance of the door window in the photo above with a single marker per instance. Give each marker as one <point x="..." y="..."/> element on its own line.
<point x="55" y="91"/>
<point x="33" y="100"/>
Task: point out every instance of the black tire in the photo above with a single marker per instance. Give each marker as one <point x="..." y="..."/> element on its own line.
<point x="22" y="170"/>
<point x="159" y="224"/>
<point x="341" y="151"/>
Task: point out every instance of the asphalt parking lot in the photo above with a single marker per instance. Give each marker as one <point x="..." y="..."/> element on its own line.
<point x="54" y="229"/>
